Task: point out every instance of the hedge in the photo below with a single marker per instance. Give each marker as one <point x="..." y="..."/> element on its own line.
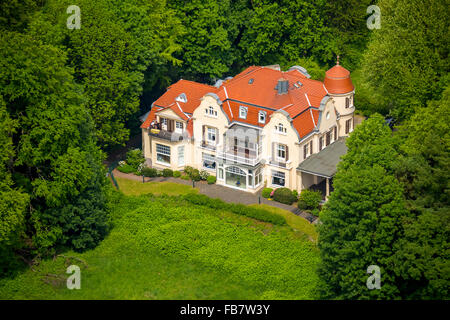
<point x="255" y="213"/>
<point x="309" y="200"/>
<point x="177" y="174"/>
<point x="126" y="168"/>
<point x="211" y="179"/>
<point x="149" y="172"/>
<point x="266" y="192"/>
<point x="284" y="195"/>
<point x="167" y="173"/>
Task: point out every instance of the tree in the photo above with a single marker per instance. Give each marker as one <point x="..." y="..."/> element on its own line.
<point x="361" y="220"/>
<point x="422" y="255"/>
<point x="118" y="41"/>
<point x="406" y="62"/>
<point x="55" y="158"/>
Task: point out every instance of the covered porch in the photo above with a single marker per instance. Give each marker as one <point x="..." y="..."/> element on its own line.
<point x="317" y="171"/>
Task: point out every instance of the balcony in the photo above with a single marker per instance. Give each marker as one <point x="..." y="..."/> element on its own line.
<point x="156" y="131"/>
<point x="208" y="146"/>
<point x="235" y="154"/>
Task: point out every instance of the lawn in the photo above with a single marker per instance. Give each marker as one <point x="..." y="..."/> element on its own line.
<point x="166" y="248"/>
<point x="133" y="187"/>
<point x="296" y="222"/>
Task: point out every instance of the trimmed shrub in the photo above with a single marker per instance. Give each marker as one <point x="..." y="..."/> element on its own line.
<point x="159" y="173"/>
<point x="266" y="192"/>
<point x="255" y="213"/>
<point x="195" y="175"/>
<point x="167" y="173"/>
<point x="135" y="158"/>
<point x="315" y="212"/>
<point x="177" y="174"/>
<point x="188" y="170"/>
<point x="204" y="174"/>
<point x="126" y="168"/>
<point x="309" y="200"/>
<point x="211" y="179"/>
<point x="185" y="177"/>
<point x="149" y="172"/>
<point x="284" y="195"/>
<point x="295" y="194"/>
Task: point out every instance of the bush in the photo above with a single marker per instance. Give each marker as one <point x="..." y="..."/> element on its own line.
<point x="204" y="174"/>
<point x="159" y="173"/>
<point x="309" y="200"/>
<point x="255" y="213"/>
<point x="211" y="179"/>
<point x="185" y="177"/>
<point x="135" y="158"/>
<point x="266" y="192"/>
<point x="177" y="174"/>
<point x="188" y="170"/>
<point x="167" y="173"/>
<point x="315" y="212"/>
<point x="284" y="195"/>
<point x="295" y="194"/>
<point x="195" y="175"/>
<point x="149" y="172"/>
<point x="126" y="168"/>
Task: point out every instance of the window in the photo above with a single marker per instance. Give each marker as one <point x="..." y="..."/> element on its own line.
<point x="220" y="174"/>
<point x="209" y="161"/>
<point x="178" y="126"/>
<point x="280" y="128"/>
<point x="278" y="178"/>
<point x="162" y="154"/>
<point x="181" y="155"/>
<point x="262" y="117"/>
<point x="243" y="112"/>
<point x="347" y="102"/>
<point x="281" y="152"/>
<point x="258" y="177"/>
<point x="164" y="123"/>
<point x="328" y="115"/>
<point x="335" y="136"/>
<point x="328" y="138"/>
<point x="348" y="126"/>
<point x="211" y="112"/>
<point x="305" y="151"/>
<point x="211" y="137"/>
<point x="320" y="143"/>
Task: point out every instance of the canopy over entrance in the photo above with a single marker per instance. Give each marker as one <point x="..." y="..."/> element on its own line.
<point x="324" y="163"/>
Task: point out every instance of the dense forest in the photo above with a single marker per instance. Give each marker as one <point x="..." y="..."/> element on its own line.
<point x="69" y="97"/>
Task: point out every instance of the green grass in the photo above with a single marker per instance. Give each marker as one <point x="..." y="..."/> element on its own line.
<point x="296" y="222"/>
<point x="133" y="187"/>
<point x="166" y="248"/>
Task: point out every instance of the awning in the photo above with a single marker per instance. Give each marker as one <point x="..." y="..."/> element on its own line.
<point x="324" y="163"/>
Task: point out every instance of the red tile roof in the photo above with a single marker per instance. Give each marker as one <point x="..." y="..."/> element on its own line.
<point x="255" y="88"/>
<point x="337" y="80"/>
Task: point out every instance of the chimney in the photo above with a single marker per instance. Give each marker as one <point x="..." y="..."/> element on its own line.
<point x="282" y="86"/>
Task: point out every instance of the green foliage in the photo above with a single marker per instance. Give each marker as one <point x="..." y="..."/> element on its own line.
<point x="284" y="195"/>
<point x="188" y="170"/>
<point x="195" y="175"/>
<point x="188" y="248"/>
<point x="211" y="179"/>
<point x="167" y="173"/>
<point x="309" y="200"/>
<point x="407" y="63"/>
<point x="126" y="168"/>
<point x="149" y="172"/>
<point x="176" y="174"/>
<point x="56" y="159"/>
<point x="266" y="192"/>
<point x="185" y="177"/>
<point x="251" y="212"/>
<point x="135" y="159"/>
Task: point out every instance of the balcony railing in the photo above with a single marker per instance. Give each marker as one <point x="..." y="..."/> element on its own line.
<point x="166" y="135"/>
<point x="249" y="157"/>
<point x="208" y="146"/>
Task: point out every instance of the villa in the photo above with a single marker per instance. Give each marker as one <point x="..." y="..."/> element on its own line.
<point x="263" y="127"/>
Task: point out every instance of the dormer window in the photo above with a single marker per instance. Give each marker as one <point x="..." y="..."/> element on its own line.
<point x="280" y="128"/>
<point x="181" y="98"/>
<point x="243" y="112"/>
<point x="210" y="111"/>
<point x="262" y="117"/>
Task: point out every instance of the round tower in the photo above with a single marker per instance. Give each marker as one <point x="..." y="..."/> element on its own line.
<point x="340" y="87"/>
